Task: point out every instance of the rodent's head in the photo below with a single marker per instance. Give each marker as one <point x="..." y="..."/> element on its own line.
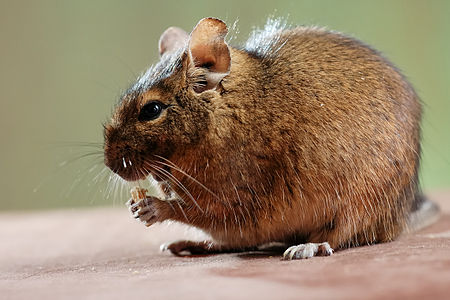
<point x="167" y="110"/>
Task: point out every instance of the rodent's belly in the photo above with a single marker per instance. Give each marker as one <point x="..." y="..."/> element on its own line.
<point x="333" y="208"/>
<point x="275" y="226"/>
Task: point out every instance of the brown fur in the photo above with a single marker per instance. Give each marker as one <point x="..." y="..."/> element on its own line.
<point x="316" y="140"/>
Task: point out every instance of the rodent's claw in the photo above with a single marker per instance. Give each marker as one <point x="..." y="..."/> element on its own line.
<point x="130" y="204"/>
<point x="143" y="210"/>
<point x="134" y="208"/>
<point x="307" y="251"/>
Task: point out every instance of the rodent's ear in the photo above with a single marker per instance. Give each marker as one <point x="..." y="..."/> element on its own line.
<point x="172" y="39"/>
<point x="208" y="49"/>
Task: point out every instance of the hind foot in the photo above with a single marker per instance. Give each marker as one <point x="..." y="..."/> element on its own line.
<point x="186" y="248"/>
<point x="307" y="251"/>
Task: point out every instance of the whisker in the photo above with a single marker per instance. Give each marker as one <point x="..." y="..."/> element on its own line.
<point x="177" y="202"/>
<point x="73" y="144"/>
<point x="172" y="165"/>
<point x="77" y="158"/>
<point x="147" y="171"/>
<point x="102" y="172"/>
<point x="100" y="177"/>
<point x="179" y="184"/>
<point x="81" y="176"/>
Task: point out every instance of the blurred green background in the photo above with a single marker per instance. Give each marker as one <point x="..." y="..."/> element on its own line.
<point x="63" y="65"/>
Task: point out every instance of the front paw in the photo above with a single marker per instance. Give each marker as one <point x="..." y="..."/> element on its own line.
<point x="143" y="210"/>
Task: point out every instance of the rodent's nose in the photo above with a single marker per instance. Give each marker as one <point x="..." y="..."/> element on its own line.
<point x="112" y="155"/>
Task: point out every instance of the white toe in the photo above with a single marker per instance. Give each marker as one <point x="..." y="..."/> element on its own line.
<point x="308" y="250"/>
<point x="164" y="247"/>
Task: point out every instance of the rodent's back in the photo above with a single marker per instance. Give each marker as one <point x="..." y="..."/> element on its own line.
<point x="337" y="121"/>
<point x="349" y="104"/>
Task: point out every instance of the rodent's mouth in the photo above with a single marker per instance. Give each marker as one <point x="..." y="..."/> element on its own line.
<point x="132" y="177"/>
<point x="126" y="169"/>
<point x="132" y="172"/>
<point x="143" y="177"/>
<point x="130" y="163"/>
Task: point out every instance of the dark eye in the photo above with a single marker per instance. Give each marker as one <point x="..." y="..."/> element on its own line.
<point x="151" y="111"/>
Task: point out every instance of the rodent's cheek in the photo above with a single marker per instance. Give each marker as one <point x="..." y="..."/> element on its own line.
<point x="161" y="145"/>
<point x="164" y="138"/>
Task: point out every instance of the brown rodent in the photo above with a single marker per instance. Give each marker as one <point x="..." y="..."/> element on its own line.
<point x="300" y="136"/>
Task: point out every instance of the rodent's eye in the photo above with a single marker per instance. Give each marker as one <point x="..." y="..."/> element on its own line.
<point x="151" y="111"/>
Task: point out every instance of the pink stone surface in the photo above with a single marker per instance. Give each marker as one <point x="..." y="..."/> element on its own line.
<point x="103" y="253"/>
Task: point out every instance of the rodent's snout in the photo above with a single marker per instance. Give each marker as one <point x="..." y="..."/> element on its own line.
<point x="126" y="166"/>
<point x="122" y="156"/>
